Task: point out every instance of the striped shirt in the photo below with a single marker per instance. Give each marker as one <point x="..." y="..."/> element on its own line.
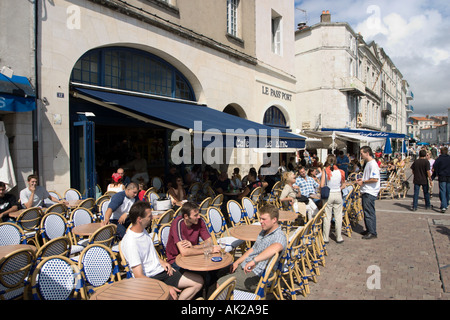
<point x="262" y="243"/>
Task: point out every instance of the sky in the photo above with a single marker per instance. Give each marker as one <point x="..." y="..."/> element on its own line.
<point x="415" y="34"/>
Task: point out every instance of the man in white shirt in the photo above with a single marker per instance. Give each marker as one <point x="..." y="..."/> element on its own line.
<point x="34" y="195"/>
<point x="140" y="253"/>
<point x="370" y="186"/>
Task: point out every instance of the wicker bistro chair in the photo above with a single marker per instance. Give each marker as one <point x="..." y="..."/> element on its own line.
<point x="163" y="237"/>
<point x="251" y="211"/>
<point x="72" y="194"/>
<point x="290" y="278"/>
<point x="57" y="278"/>
<point x="217" y="201"/>
<point x="256" y="196"/>
<point x="236" y="213"/>
<point x="54" y="225"/>
<point x="60" y="208"/>
<point x="55" y="195"/>
<point x="224" y="291"/>
<point x="267" y="278"/>
<point x="61" y="246"/>
<point x="11" y="233"/>
<point x="29" y="221"/>
<point x="124" y="263"/>
<point x="80" y="216"/>
<point x="99" y="267"/>
<point x="194" y="191"/>
<point x="204" y="205"/>
<point x="166" y="217"/>
<point x="106" y="236"/>
<point x="346" y="207"/>
<point x="158" y="184"/>
<point x="152" y="197"/>
<point x="88" y="203"/>
<point x="274" y="194"/>
<point x="102" y="209"/>
<point x="218" y="228"/>
<point x="14" y="273"/>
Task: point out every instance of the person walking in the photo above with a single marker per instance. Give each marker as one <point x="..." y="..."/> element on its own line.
<point x="370" y="186"/>
<point x="421" y="171"/>
<point x="334" y="178"/>
<point x="441" y="168"/>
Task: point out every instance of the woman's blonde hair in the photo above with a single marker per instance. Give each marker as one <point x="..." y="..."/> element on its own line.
<point x="331" y="161"/>
<point x="286" y="176"/>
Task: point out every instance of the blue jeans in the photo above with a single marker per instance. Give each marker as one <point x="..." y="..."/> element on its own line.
<point x="444" y="194"/>
<point x="426" y="195"/>
<point x="370" y="219"/>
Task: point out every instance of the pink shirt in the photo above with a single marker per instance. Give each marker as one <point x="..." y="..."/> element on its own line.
<point x="179" y="231"/>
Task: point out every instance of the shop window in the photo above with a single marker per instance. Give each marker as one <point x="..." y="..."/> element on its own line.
<point x="274" y="117"/>
<point x="131" y="70"/>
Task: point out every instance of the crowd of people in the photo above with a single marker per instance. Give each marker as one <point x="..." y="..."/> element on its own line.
<point x="308" y="181"/>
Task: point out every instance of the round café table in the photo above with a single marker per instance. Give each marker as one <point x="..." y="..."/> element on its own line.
<point x="287" y="216"/>
<point x="85" y="230"/>
<point x="5" y="250"/>
<point x="133" y="289"/>
<point x="201" y="263"/>
<point x="246" y="232"/>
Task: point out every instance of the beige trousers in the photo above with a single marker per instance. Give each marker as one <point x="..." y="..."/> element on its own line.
<point x="334" y="206"/>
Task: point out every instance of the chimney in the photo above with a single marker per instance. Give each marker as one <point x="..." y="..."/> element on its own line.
<point x="325" y="17"/>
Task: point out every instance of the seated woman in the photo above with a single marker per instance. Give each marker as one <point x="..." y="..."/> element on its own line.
<point x="116" y="185"/>
<point x="289" y="195"/>
<point x="177" y="193"/>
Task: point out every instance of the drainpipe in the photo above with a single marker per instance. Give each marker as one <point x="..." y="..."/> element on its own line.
<point x="35" y="113"/>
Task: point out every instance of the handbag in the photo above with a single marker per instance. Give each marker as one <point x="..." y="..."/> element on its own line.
<point x="325" y="190"/>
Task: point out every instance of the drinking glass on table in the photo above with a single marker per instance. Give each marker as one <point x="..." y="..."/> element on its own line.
<point x="222" y="245"/>
<point x="207" y="249"/>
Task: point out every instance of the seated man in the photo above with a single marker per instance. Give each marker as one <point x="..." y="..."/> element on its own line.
<point x="185" y="234"/>
<point x="140" y="253"/>
<point x="8" y="203"/>
<point x="308" y="188"/>
<point x="119" y="207"/>
<point x="253" y="183"/>
<point x="249" y="268"/>
<point x="34" y="195"/>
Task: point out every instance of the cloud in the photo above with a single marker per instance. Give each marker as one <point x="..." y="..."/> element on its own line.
<point x="413" y="33"/>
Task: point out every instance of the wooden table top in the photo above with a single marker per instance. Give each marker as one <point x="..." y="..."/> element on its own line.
<point x="5" y="250"/>
<point x="285" y="216"/>
<point x="86" y="229"/>
<point x="133" y="289"/>
<point x="16" y="214"/>
<point x="246" y="232"/>
<point x="72" y="203"/>
<point x="200" y="263"/>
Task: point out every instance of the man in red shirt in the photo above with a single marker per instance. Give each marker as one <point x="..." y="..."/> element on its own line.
<point x="184" y="237"/>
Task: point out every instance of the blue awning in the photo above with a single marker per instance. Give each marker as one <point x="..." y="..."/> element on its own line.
<point x="16" y="94"/>
<point x="368" y="133"/>
<point x="212" y="124"/>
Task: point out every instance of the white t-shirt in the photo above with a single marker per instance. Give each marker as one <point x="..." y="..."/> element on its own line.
<point x="335" y="181"/>
<point x="39" y="195"/>
<point x="371" y="171"/>
<point x="138" y="249"/>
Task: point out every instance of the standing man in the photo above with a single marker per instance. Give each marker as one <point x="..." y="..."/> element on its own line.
<point x="421" y="171"/>
<point x="343" y="162"/>
<point x="8" y="203"/>
<point x="441" y="168"/>
<point x="119" y="207"/>
<point x="140" y="254"/>
<point x="370" y="186"/>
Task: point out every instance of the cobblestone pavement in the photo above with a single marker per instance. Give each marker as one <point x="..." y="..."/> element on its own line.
<point x="411" y="255"/>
